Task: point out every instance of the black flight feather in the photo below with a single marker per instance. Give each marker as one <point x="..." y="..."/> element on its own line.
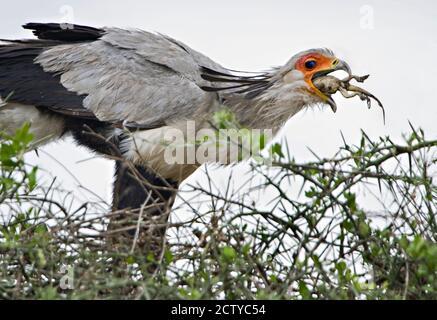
<point x="64" y="32"/>
<point x="27" y="83"/>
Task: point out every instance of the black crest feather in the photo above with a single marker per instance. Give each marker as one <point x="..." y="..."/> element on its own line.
<point x="252" y="86"/>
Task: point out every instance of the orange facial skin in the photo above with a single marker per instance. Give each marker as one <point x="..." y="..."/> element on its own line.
<point x="321" y="63"/>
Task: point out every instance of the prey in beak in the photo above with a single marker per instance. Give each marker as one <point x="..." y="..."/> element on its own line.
<point x="329" y="85"/>
<point x="316" y="68"/>
<point x="326" y="95"/>
<point x="316" y="65"/>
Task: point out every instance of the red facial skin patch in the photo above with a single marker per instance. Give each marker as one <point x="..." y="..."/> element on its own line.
<point x="321" y="63"/>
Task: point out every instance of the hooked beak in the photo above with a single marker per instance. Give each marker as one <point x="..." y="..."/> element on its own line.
<point x="336" y="66"/>
<point x="343" y="66"/>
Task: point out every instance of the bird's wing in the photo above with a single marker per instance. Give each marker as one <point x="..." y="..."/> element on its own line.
<point x="132" y="76"/>
<point x="116" y="75"/>
<point x="25" y="82"/>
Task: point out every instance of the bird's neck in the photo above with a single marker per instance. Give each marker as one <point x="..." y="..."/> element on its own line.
<point x="269" y="110"/>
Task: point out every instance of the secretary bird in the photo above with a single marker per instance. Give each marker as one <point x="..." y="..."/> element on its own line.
<point x="115" y="91"/>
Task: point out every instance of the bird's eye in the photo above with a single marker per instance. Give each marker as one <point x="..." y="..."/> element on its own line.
<point x="310" y="64"/>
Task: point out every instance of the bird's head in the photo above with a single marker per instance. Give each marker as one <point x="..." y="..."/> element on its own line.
<point x="271" y="98"/>
<point x="302" y="69"/>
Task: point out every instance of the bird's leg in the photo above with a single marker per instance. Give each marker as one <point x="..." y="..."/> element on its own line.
<point x="141" y="199"/>
<point x="141" y="203"/>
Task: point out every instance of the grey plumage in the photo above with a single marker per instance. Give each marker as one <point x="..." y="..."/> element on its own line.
<point x="112" y="78"/>
<point x="132" y="76"/>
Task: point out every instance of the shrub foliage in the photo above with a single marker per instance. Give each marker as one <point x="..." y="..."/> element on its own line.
<point x="361" y="225"/>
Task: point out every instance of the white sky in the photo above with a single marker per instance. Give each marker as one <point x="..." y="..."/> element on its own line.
<point x="399" y="52"/>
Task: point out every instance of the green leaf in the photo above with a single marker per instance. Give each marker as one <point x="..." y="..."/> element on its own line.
<point x="168" y="256"/>
<point x="246" y="249"/>
<point x="304" y="291"/>
<point x="31" y="179"/>
<point x="364" y="229"/>
<point x="229" y="253"/>
<point x="277" y="150"/>
<point x="130" y="260"/>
